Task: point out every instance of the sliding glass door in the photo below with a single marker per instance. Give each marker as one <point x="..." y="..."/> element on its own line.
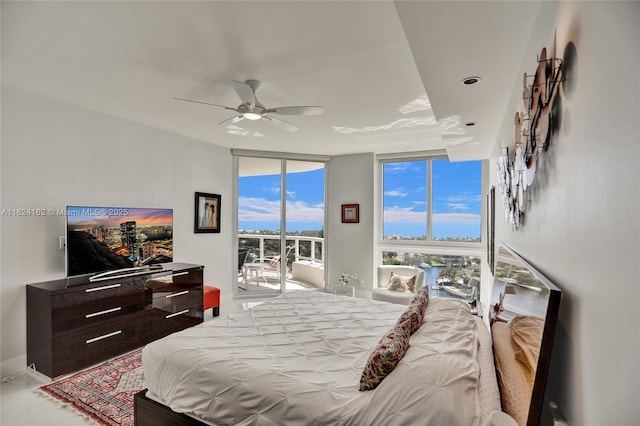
<point x="280" y="225"/>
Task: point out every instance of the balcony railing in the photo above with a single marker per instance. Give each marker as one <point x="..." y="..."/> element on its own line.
<point x="305" y="263"/>
<point x="316" y="253"/>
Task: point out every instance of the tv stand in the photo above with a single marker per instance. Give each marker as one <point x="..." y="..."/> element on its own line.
<point x="75" y="322"/>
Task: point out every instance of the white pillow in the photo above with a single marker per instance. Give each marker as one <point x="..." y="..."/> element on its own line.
<point x="396" y="284"/>
<point x="402" y="283"/>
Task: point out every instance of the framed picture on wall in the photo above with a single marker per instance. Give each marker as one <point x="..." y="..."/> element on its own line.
<point x="350" y="213"/>
<point x="207" y="213"/>
<point x="491" y="223"/>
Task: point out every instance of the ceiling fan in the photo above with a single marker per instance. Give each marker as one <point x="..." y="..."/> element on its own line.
<point x="252" y="109"/>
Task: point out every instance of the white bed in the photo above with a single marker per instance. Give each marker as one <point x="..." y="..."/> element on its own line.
<point x="297" y="359"/>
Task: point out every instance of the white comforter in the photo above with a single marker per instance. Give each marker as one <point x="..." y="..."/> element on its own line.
<point x="297" y="360"/>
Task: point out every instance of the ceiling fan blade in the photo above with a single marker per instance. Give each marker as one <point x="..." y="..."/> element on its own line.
<point x="232" y="120"/>
<point x="245" y="93"/>
<point x="285" y="125"/>
<point x="297" y="110"/>
<point x="204" y="103"/>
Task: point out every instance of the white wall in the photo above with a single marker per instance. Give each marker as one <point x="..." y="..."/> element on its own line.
<point x="581" y="227"/>
<point x="55" y="154"/>
<point x="351" y="246"/>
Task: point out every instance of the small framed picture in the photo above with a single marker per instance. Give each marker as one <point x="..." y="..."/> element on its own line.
<point x="207" y="213"/>
<point x="350" y="213"/>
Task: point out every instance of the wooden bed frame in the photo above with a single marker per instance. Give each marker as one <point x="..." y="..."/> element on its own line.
<point x="151" y="413"/>
<point x="147" y="412"/>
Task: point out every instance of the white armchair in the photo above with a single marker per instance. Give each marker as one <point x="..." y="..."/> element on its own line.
<point x="380" y="291"/>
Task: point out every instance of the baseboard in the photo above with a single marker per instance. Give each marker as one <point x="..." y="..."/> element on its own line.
<point x="13" y="366"/>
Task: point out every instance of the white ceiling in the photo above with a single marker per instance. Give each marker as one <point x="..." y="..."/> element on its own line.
<point x="367" y="62"/>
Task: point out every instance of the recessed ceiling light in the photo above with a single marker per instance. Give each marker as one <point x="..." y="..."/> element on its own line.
<point x="470" y="123"/>
<point x="470" y="80"/>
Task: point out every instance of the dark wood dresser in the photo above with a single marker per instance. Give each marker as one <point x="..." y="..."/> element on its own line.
<point x="73" y="323"/>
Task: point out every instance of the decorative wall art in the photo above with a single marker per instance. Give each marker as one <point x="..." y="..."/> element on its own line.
<point x="533" y="127"/>
<point x="207" y="213"/>
<point x="350" y="213"/>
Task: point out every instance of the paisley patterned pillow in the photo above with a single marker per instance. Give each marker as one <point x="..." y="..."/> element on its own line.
<point x="385" y="356"/>
<point x="422" y="295"/>
<point x="413" y="316"/>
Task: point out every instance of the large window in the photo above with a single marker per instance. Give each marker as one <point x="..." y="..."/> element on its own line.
<point x="432" y="200"/>
<point x="431" y="219"/>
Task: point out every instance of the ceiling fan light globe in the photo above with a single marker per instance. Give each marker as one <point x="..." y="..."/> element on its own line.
<point x="252" y="116"/>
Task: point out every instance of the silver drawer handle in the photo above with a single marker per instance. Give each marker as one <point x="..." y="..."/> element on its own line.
<point x="108" y="311"/>
<point x="89" y="290"/>
<point x="179" y="274"/>
<point x="177" y="313"/>
<point x="180" y="293"/>
<point x="95" y="339"/>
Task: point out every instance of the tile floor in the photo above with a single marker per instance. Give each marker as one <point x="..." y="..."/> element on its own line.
<point x="21" y="404"/>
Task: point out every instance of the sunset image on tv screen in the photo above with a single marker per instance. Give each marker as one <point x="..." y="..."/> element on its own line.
<point x="108" y="238"/>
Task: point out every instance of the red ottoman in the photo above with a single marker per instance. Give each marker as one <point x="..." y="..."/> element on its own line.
<point x="212" y="299"/>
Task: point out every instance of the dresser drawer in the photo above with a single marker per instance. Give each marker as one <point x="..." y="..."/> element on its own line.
<point x="96" y="332"/>
<point x="91" y="351"/>
<point x="172" y="302"/>
<point x="99" y="291"/>
<point x="175" y="281"/>
<point x="96" y="312"/>
<point x="160" y="323"/>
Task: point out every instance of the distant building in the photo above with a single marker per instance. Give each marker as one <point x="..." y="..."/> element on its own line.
<point x="128" y="233"/>
<point x="147" y="250"/>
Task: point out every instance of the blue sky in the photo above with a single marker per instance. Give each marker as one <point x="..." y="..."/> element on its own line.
<point x="456" y="197"/>
<point x="259" y="201"/>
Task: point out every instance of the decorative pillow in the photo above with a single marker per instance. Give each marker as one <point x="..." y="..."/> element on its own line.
<point x="385" y="356"/>
<point x="422" y="295"/>
<point x="402" y="283"/>
<point x="413" y="315"/>
<point x="396" y="284"/>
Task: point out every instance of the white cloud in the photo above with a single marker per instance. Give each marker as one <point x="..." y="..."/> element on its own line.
<point x="406" y="214"/>
<point x="396" y="167"/>
<point x="458" y="202"/>
<point x="252" y="208"/>
<point x="463" y="198"/>
<point x="458" y="206"/>
<point x="396" y="193"/>
<point x="456" y="218"/>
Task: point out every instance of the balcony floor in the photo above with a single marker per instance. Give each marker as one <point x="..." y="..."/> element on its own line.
<point x="267" y="282"/>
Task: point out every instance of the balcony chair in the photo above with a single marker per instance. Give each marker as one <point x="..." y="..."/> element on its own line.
<point x="270" y="264"/>
<point x="243" y="253"/>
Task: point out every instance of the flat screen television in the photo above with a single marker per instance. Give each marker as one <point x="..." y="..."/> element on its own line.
<point x="110" y="238"/>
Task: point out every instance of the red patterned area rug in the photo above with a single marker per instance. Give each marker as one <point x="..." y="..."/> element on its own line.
<point x="103" y="393"/>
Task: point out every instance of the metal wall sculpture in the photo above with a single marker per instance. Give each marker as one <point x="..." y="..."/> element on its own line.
<point x="533" y="127"/>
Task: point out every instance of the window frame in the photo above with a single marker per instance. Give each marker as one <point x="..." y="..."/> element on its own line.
<point x="460" y="247"/>
<point x="284" y="158"/>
